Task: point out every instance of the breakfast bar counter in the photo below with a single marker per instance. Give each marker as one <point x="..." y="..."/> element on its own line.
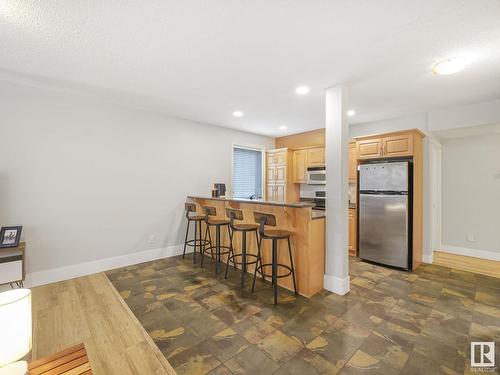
<point x="308" y="237"/>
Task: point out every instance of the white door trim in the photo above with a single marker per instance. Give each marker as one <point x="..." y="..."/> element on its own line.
<point x="435" y="198"/>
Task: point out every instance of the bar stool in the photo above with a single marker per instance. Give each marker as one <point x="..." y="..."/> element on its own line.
<point x="233" y="215"/>
<point x="275" y="235"/>
<point x="197" y="219"/>
<point x="217" y="223"/>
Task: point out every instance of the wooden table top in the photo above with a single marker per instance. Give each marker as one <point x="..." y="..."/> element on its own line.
<point x="72" y="361"/>
<point x="89" y="310"/>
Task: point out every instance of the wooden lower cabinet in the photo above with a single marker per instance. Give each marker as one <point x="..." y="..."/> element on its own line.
<point x="307" y="240"/>
<point x="353" y="232"/>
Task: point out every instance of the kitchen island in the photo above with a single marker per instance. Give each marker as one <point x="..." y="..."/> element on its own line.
<point x="308" y="238"/>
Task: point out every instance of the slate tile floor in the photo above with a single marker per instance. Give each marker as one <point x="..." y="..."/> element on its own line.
<point x="391" y="322"/>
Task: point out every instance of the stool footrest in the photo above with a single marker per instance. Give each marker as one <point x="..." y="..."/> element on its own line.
<point x="231" y="258"/>
<point x="197" y="242"/>
<point x="259" y="268"/>
<point x="207" y="251"/>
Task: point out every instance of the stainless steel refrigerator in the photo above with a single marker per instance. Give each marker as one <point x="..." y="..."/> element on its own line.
<point x="385" y="206"/>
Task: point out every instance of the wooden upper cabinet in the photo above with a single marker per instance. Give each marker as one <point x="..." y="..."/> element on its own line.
<point x="353" y="162"/>
<point x="304" y="158"/>
<point x="276" y="174"/>
<point x="271" y="174"/>
<point x="399" y="145"/>
<point x="270" y="159"/>
<point x="316" y="157"/>
<point x="300" y="166"/>
<point x="280" y="157"/>
<point x="280" y="193"/>
<point x="393" y="145"/>
<point x="280" y="174"/>
<point x="276" y="192"/>
<point x="270" y="189"/>
<point x="370" y="148"/>
<point x="277" y="157"/>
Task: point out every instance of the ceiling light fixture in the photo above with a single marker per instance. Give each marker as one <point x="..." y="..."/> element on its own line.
<point x="283" y="127"/>
<point x="302" y="90"/>
<point x="450" y="66"/>
<point x="238" y="114"/>
<point x="351" y="112"/>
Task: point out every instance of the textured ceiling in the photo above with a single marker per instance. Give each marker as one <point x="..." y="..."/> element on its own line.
<point x="202" y="60"/>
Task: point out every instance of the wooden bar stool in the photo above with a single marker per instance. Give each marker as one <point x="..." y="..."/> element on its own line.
<point x="275" y="235"/>
<point x="217" y="223"/>
<point x="197" y="219"/>
<point x="233" y="215"/>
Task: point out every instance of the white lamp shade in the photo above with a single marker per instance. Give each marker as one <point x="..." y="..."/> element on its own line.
<point x="15" y="325"/>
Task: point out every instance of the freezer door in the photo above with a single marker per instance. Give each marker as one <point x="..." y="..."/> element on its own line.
<point x="383" y="229"/>
<point x="384" y="176"/>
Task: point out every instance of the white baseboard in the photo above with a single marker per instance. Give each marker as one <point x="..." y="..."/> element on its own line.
<point x="336" y="285"/>
<point x="428" y="258"/>
<point x="82" y="269"/>
<point x="483" y="254"/>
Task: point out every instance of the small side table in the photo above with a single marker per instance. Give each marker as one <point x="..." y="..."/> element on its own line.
<point x="73" y="361"/>
<point x="13" y="265"/>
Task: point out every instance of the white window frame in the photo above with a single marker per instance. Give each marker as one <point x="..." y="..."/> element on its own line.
<point x="262" y="150"/>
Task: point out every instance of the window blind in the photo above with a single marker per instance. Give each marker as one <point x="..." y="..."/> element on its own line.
<point x="247" y="173"/>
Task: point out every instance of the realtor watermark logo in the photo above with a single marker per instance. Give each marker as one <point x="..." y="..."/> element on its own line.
<point x="482" y="356"/>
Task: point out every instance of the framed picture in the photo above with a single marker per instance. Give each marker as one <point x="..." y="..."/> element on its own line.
<point x="10" y="236"/>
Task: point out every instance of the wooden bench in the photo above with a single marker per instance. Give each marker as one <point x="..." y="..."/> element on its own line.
<point x="72" y="361"/>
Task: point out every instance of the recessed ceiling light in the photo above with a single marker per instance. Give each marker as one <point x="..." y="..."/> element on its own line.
<point x="283" y="127"/>
<point x="302" y="90"/>
<point x="238" y="114"/>
<point x="351" y="112"/>
<point x="451" y="65"/>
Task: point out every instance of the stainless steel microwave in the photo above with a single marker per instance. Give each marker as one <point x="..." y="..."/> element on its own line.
<point x="316" y="176"/>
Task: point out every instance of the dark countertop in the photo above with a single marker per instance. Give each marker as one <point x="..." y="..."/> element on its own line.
<point x="318" y="217"/>
<point x="257" y="201"/>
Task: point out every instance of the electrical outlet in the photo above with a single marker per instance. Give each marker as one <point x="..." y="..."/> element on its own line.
<point x="152" y="239"/>
<point x="471" y="237"/>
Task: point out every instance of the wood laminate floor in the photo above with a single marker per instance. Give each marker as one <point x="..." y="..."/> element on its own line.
<point x="89" y="310"/>
<point x="391" y="322"/>
<point x="465" y="263"/>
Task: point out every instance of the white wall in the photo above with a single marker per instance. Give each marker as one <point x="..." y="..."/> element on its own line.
<point x="471" y="195"/>
<point x="477" y="114"/>
<point x="390" y="125"/>
<point x="90" y="180"/>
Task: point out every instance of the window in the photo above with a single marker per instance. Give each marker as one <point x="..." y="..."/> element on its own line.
<point x="247" y="172"/>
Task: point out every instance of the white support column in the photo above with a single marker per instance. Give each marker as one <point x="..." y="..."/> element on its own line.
<point x="337" y="192"/>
